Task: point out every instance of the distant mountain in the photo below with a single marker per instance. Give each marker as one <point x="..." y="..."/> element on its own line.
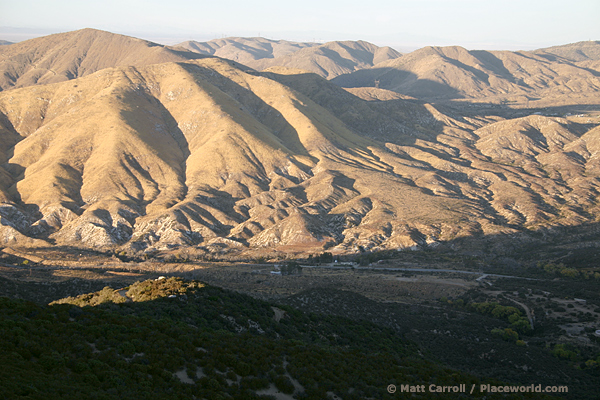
<point x="575" y="52"/>
<point x="434" y="73"/>
<point x="5" y="42"/>
<point x="208" y="154"/>
<point x="65" y="56"/>
<point x="244" y="50"/>
<point x="327" y="60"/>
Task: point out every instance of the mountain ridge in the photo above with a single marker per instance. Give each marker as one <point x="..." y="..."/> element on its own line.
<point x="65" y="56"/>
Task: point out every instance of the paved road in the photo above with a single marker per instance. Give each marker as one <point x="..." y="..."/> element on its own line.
<point x="457" y="271"/>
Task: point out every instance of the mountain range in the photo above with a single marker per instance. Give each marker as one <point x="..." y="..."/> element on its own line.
<point x="547" y="77"/>
<point x="327" y="60"/>
<point x="115" y="142"/>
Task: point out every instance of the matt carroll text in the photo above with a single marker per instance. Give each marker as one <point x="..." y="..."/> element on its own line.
<point x="462" y="388"/>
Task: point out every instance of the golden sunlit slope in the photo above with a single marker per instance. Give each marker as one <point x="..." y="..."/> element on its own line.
<point x="327" y="60"/>
<point x="493" y="76"/>
<point x="209" y="154"/>
<point x="69" y="55"/>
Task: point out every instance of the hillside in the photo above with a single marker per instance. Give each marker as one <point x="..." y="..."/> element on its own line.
<point x="442" y="73"/>
<point x="70" y="55"/>
<point x="327" y="60"/>
<point x="204" y="153"/>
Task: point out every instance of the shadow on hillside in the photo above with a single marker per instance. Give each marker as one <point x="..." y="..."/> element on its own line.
<point x="427" y="91"/>
<point x="509" y="110"/>
<point x="8" y="140"/>
<point x="404" y="82"/>
<point x="396" y="121"/>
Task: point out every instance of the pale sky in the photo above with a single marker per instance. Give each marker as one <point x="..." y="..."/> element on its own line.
<point x="474" y="24"/>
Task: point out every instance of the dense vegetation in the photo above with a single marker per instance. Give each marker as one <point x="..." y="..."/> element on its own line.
<point x="172" y="339"/>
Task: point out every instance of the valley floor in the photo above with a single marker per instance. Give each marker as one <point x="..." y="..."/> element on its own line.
<point x="454" y="310"/>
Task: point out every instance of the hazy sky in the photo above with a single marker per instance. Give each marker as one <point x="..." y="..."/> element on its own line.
<point x="475" y="24"/>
